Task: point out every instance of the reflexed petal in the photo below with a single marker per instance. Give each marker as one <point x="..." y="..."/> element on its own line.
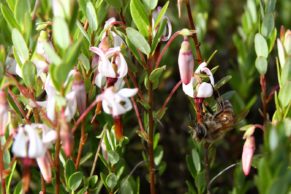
<point x="71" y="107"/>
<point x="127" y="92"/>
<point x="106" y="107"/>
<point x="109" y="22"/>
<point x="122" y="66"/>
<point x="49" y="137"/>
<point x="118" y="84"/>
<point x="19" y="147"/>
<point x="169" y="30"/>
<point x="204" y="90"/>
<point x="50" y="107"/>
<point x="117" y="40"/>
<point x="100" y="80"/>
<point x="202" y="65"/>
<point x="210" y="75"/>
<point x="188" y="89"/>
<point x="36" y="148"/>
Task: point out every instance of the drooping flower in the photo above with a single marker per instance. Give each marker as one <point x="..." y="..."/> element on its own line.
<point x="202" y="89"/>
<point x="111" y="63"/>
<point x="186" y="62"/>
<point x="29" y="144"/>
<point x="79" y="88"/>
<point x="4" y="113"/>
<point x="247" y="154"/>
<point x="116" y="102"/>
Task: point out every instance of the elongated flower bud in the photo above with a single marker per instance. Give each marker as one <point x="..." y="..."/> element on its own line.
<point x="44" y="164"/>
<point x="3" y="113"/>
<point x="247" y="154"/>
<point x="79" y="88"/>
<point x="186" y="62"/>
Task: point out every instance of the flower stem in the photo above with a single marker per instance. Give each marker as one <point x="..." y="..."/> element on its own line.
<point x="81" y="145"/>
<point x="194" y="36"/>
<point x="264" y="96"/>
<point x="57" y="161"/>
<point x="1" y="170"/>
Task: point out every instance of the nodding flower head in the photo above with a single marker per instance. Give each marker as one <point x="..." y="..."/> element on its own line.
<point x="198" y="89"/>
<point x="116" y="102"/>
<point x="4" y="110"/>
<point x="186" y="61"/>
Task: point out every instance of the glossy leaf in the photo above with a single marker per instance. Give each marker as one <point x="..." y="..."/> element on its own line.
<point x="75" y="181"/>
<point x="262" y="65"/>
<point x="138" y="40"/>
<point x="261" y="46"/>
<point x="155" y="76"/>
<point x="139" y="16"/>
<point x="161" y="14"/>
<point x="111" y="180"/>
<point x="9" y="17"/>
<point x="91" y="15"/>
<point x="20" y="45"/>
<point x="61" y="33"/>
<point x="29" y="73"/>
<point x="150" y="4"/>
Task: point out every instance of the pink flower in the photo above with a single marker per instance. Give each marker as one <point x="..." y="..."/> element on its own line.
<point x="186" y="62"/>
<point x="247" y="154"/>
<point x="79" y="88"/>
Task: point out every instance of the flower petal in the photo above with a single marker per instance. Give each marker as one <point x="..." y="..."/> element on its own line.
<point x="204" y="90"/>
<point x="36" y="148"/>
<point x="122" y="65"/>
<point x="19" y="147"/>
<point x="44" y="164"/>
<point x="127" y="92"/>
<point x="188" y="89"/>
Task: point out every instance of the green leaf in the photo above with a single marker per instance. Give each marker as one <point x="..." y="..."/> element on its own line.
<point x="20" y="45"/>
<point x="133" y="50"/>
<point x="155" y="76"/>
<point x="21" y="8"/>
<point x="61" y="33"/>
<point x="82" y="30"/>
<point x="158" y="155"/>
<point x="111" y="180"/>
<point x="138" y="40"/>
<point x="196" y="160"/>
<point x="18" y="188"/>
<point x="29" y="73"/>
<point x="261" y="65"/>
<point x="150" y="4"/>
<point x="284" y="94"/>
<point x="52" y="55"/>
<point x="115" y="3"/>
<point x="261" y="46"/>
<point x="91" y="15"/>
<point x="113" y="157"/>
<point x="158" y="36"/>
<point x="69" y="169"/>
<point x="85" y="62"/>
<point x="161" y="14"/>
<point x="75" y="180"/>
<point x="8" y="15"/>
<point x="139" y="16"/>
<point x="92" y="181"/>
<point x="222" y="82"/>
<point x="268" y="24"/>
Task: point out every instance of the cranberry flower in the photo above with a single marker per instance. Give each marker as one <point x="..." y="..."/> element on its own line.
<point x="186" y="62"/>
<point x="202" y="89"/>
<point x="29" y="144"/>
<point x="168" y="31"/>
<point x="116" y="102"/>
<point x="111" y="63"/>
<point x="247" y="154"/>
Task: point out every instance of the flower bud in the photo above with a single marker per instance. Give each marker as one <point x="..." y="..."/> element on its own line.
<point x="79" y="88"/>
<point x="186" y="61"/>
<point x="44" y="164"/>
<point x="247" y="154"/>
<point x="4" y="117"/>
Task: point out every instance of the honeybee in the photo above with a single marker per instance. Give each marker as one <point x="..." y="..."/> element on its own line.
<point x="214" y="126"/>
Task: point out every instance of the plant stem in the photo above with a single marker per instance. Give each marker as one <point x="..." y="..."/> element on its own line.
<point x="96" y="156"/>
<point x="165" y="48"/>
<point x="81" y="145"/>
<point x="206" y="163"/>
<point x="57" y="161"/>
<point x="194" y="36"/>
<point x="264" y="96"/>
<point x="43" y="189"/>
<point x="1" y="170"/>
<point x="170" y="96"/>
<point x="150" y="142"/>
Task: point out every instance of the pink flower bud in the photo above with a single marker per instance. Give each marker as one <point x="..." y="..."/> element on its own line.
<point x="4" y="117"/>
<point x="186" y="62"/>
<point x="247" y="154"/>
<point x="79" y="88"/>
<point x="44" y="164"/>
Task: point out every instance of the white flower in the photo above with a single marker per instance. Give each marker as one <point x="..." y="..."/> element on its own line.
<point x="28" y="142"/>
<point x="203" y="89"/>
<point x="116" y="102"/>
<point x="111" y="63"/>
<point x="4" y="113"/>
